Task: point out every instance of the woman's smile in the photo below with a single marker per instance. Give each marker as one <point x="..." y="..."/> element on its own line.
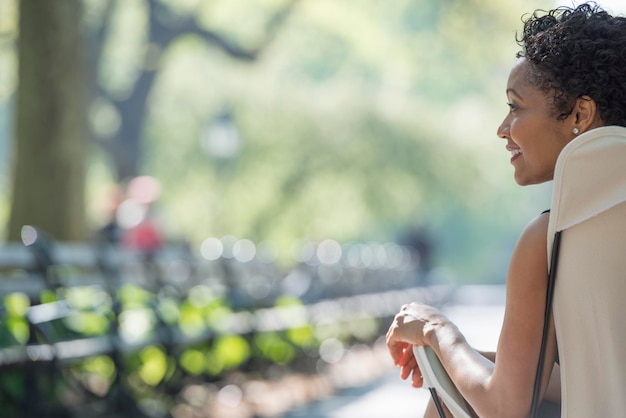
<point x="515" y="152"/>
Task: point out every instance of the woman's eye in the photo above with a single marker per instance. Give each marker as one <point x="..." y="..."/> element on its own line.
<point x="512" y="107"/>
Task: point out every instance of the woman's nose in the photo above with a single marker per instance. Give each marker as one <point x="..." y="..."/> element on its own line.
<point x="504" y="129"/>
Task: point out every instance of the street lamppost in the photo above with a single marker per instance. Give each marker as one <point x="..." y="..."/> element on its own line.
<point x="220" y="138"/>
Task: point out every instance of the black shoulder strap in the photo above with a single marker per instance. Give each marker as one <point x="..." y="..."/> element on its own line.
<point x="546" y="323"/>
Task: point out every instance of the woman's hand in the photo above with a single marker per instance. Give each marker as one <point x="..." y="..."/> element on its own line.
<point x="406" y="330"/>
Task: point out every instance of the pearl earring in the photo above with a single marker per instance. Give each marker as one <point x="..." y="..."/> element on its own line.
<point x="576" y="131"/>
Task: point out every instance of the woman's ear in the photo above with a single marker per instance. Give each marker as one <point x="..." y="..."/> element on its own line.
<point x="586" y="114"/>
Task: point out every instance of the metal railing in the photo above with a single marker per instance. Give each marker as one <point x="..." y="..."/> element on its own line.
<point x="71" y="307"/>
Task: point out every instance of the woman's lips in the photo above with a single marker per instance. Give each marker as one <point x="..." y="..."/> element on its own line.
<point x="515" y="152"/>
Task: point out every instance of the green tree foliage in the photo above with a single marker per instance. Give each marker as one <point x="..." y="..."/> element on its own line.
<point x="127" y="42"/>
<point x="358" y="121"/>
<point x="356" y="118"/>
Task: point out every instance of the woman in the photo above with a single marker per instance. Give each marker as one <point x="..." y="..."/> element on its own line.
<point x="569" y="79"/>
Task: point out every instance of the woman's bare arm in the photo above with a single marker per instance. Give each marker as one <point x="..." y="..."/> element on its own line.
<point x="503" y="388"/>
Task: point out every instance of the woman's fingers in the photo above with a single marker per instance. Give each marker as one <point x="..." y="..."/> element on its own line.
<point x="408" y="357"/>
<point x="408" y="365"/>
<point x="412" y="369"/>
<point x="417" y="379"/>
<point x="397" y="349"/>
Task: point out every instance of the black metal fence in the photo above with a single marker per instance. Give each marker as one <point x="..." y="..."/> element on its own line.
<point x="91" y="329"/>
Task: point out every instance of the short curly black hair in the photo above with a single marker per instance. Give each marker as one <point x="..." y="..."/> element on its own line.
<point x="577" y="52"/>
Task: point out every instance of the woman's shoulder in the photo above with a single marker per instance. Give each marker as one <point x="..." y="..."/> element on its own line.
<point x="536" y="231"/>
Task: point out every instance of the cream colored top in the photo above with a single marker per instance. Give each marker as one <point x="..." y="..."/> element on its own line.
<point x="589" y="206"/>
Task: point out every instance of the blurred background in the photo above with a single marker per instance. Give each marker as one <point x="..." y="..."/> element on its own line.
<point x="281" y="120"/>
<point x="283" y="136"/>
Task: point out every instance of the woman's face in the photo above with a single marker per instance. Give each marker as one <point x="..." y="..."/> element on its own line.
<point x="534" y="135"/>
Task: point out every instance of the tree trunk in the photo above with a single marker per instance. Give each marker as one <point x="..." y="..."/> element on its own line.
<point x="50" y="142"/>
